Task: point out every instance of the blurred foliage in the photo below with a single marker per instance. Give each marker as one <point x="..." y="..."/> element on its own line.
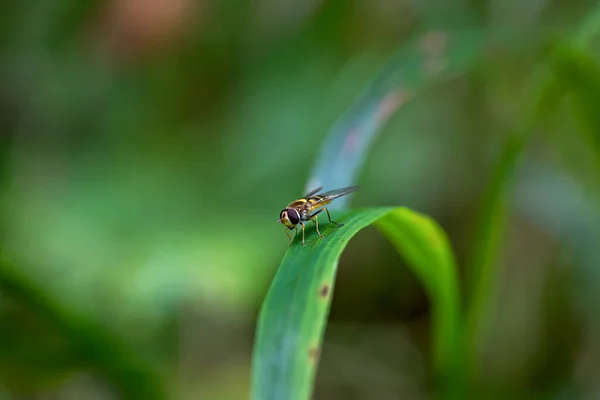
<point x="148" y="147"/>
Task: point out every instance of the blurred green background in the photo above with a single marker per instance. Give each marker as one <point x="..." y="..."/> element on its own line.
<point x="148" y="147"/>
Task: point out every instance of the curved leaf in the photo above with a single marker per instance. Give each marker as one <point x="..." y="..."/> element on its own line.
<point x="294" y="314"/>
<point x="427" y="59"/>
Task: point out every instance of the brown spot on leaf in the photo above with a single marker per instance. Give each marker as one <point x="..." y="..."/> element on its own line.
<point x="435" y="43"/>
<point x="313" y="354"/>
<point x="324" y="291"/>
<point x="390" y="103"/>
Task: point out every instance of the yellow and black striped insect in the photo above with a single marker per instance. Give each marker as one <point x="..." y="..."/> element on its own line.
<point x="307" y="208"/>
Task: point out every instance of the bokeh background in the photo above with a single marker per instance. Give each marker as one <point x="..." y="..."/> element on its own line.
<point x="149" y="145"/>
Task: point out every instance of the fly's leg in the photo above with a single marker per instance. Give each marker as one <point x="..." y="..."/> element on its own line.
<point x="315" y="219"/>
<point x="289" y="237"/>
<point x="333" y="222"/>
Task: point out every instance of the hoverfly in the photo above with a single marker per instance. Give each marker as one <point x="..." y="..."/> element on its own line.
<point x="307" y="208"/>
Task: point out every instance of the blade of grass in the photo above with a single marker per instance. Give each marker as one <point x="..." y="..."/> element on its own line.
<point x="580" y="74"/>
<point x="493" y="214"/>
<point x="545" y="94"/>
<point x="294" y="314"/>
<point x="426" y="60"/>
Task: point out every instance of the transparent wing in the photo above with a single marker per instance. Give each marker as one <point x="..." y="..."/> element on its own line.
<point x="335" y="193"/>
<point x="313" y="192"/>
<point x="315" y="202"/>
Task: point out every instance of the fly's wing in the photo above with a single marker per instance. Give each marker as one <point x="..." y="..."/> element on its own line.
<point x="323" y="199"/>
<point x="312" y="193"/>
<point x="334" y="194"/>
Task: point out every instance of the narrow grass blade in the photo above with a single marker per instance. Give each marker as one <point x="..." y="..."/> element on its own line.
<point x="579" y="74"/>
<point x="546" y="92"/>
<point x="294" y="314"/>
<point x="424" y="61"/>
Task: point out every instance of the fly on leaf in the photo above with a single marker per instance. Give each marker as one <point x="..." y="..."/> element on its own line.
<point x="307" y="208"/>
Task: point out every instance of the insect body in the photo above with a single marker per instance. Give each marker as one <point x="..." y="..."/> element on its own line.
<point x="307" y="208"/>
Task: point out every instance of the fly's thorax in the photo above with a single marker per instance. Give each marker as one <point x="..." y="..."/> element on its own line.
<point x="297" y="204"/>
<point x="304" y="214"/>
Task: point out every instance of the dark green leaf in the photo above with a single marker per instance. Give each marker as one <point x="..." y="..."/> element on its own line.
<point x="294" y="314"/>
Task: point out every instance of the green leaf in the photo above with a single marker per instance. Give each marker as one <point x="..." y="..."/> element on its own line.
<point x="426" y="60"/>
<point x="294" y="314"/>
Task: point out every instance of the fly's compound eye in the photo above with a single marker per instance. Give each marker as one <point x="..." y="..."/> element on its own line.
<point x="293" y="216"/>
